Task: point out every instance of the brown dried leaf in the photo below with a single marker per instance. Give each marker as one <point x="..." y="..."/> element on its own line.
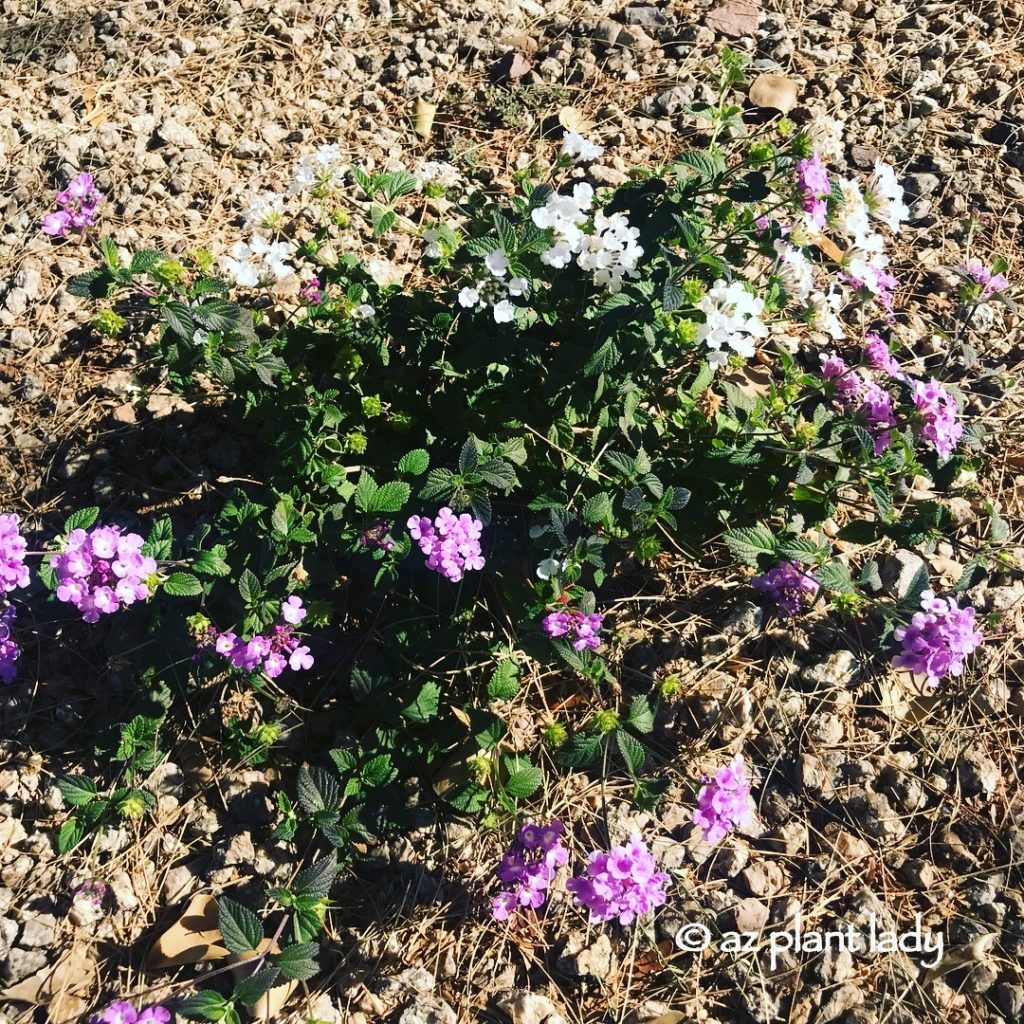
<point x="65" y="989"/>
<point x="774" y="92"/>
<point x="573" y="120"/>
<point x="828" y="247"/>
<point x="194" y="937"/>
<point x="423" y="122"/>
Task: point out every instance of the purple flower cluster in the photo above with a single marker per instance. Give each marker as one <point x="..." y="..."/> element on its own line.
<point x="788" y="586"/>
<point x="273" y="653"/>
<point x="13" y="571"/>
<point x="623" y="883"/>
<point x="451" y="543"/>
<point x="812" y="180"/>
<point x="981" y="275"/>
<point x="376" y="537"/>
<point x="102" y="569"/>
<point x="121" y="1012"/>
<point x="9" y="650"/>
<point x="76" y="207"/>
<point x="528" y="867"/>
<point x="872" y="403"/>
<point x="310" y="292"/>
<point x="584" y="629"/>
<point x="724" y="803"/>
<point x="878" y="356"/>
<point x="938" y="639"/>
<point x="937" y="416"/>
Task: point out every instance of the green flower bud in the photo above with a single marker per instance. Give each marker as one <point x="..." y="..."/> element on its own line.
<point x="805" y="431"/>
<point x="647" y="548"/>
<point x="339" y="217"/>
<point x="169" y="273"/>
<point x="606" y="721"/>
<point x="372" y="405"/>
<point x="761" y="152"/>
<point x="201" y="259"/>
<point x="670" y="686"/>
<point x="355" y="442"/>
<point x="785" y="126"/>
<point x="693" y="290"/>
<point x="685" y="331"/>
<point x="554" y="733"/>
<point x="479" y="767"/>
<point x="267" y="734"/>
<point x="132" y="806"/>
<point x="108" y="323"/>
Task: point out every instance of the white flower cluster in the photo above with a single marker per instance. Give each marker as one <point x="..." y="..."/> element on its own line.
<point x="494" y="291"/>
<point x="823" y="313"/>
<point x="580" y="149"/>
<point x="256" y="262"/>
<point x="437" y="172"/>
<point x="827" y="135"/>
<point x="267" y="211"/>
<point x="885" y="197"/>
<point x="795" y="271"/>
<point x="322" y="167"/>
<point x="731" y="321"/>
<point x="610" y="252"/>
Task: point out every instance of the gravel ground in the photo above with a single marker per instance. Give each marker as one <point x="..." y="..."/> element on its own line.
<point x="872" y="799"/>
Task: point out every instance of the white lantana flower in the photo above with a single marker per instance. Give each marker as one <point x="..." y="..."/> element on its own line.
<point x="364" y="311"/>
<point x="885" y="197"/>
<point x="258" y="261"/>
<point x="519" y="286"/>
<point x="322" y="167"/>
<point x="469" y="297"/>
<point x="266" y="210"/>
<point x="437" y="172"/>
<point x="504" y="312"/>
<point x="795" y="271"/>
<point x="579" y="148"/>
<point x="823" y="313"/>
<point x="433" y="239"/>
<point x="731" y="320"/>
<point x="827" y="135"/>
<point x="497" y="262"/>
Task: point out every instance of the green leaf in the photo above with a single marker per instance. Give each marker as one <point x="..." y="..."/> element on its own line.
<point x="160" y="540"/>
<point x="748" y="543"/>
<point x="207" y="1005"/>
<point x="366" y="488"/>
<point x="212" y="562"/>
<point x="580" y="751"/>
<point x="178" y="317"/>
<point x="316" y="880"/>
<point x="77" y="790"/>
<point x="378" y="771"/>
<point x="707" y="166"/>
<point x="241" y="928"/>
<point x="396" y="184"/>
<point x="469" y="798"/>
<point x="524" y="777"/>
<point x="70" y="835"/>
<point x="389" y="497"/>
<point x="144" y="261"/>
<point x="598" y="510"/>
<point x="217" y="315"/>
<point x="632" y="751"/>
<point x="93" y="284"/>
<point x="835" y="576"/>
<point x="414" y="463"/>
<point x="383" y="220"/>
<point x="504" y="684"/>
<point x="440" y="484"/>
<point x="317" y="790"/>
<point x="249" y="587"/>
<point x="182" y="584"/>
<point x="498" y="473"/>
<point x="252" y="989"/>
<point x="469" y="457"/>
<point x="297" y="962"/>
<point x="426" y="704"/>
<point x="81" y="520"/>
<point x="641" y="714"/>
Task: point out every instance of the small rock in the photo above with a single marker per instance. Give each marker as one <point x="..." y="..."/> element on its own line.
<point x="38" y="932"/>
<point x="428" y="1010"/>
<point x="774" y="92"/>
<point x="763" y="878"/>
<point x="899" y="571"/>
<point x="978" y="774"/>
<point x="646" y="16"/>
<point x="1010" y="999"/>
<point x="525" y="1007"/>
<point x="512" y="66"/>
<point x="750" y="915"/>
<point x="176" y="134"/>
<point x="864" y="157"/>
<point x="582" y="959"/>
<point x="735" y="18"/>
<point x="744" y="619"/>
<point x="21" y="964"/>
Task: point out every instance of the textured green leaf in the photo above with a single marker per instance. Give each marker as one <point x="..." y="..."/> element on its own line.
<point x="241" y="928"/>
<point x="317" y="879"/>
<point x="415" y="462"/>
<point x="182" y="584"/>
<point x="748" y="543"/>
<point x="77" y="790"/>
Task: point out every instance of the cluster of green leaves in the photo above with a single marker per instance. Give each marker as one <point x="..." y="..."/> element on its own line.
<point x="290" y="955"/>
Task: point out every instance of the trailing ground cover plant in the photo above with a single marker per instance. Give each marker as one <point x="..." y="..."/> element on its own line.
<point x="458" y="463"/>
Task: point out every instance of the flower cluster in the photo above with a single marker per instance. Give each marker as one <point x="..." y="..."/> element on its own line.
<point x="622" y="883"/>
<point x="878" y="356"/>
<point x="437" y="172"/>
<point x="451" y="543"/>
<point x="13" y="571"/>
<point x="529" y="867"/>
<point x="9" y="650"/>
<point x="724" y="803"/>
<point x="731" y="320"/>
<point x="376" y="536"/>
<point x="788" y="586"/>
<point x="310" y="292"/>
<point x="812" y="181"/>
<point x="258" y="262"/>
<point x="321" y="169"/>
<point x="76" y="207"/>
<point x="989" y="282"/>
<point x="579" y="149"/>
<point x="796" y="272"/>
<point x="937" y="416"/>
<point x="495" y="291"/>
<point x="102" y="569"/>
<point x="121" y="1012"/>
<point x="584" y="629"/>
<point x="266" y="211"/>
<point x="937" y="639"/>
<point x="274" y="652"/>
<point x="856" y="392"/>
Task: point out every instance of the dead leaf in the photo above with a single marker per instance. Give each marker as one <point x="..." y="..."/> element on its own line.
<point x="828" y="247"/>
<point x="755" y="381"/>
<point x="269" y="1005"/>
<point x="423" y="122"/>
<point x="455" y="770"/>
<point x="775" y="92"/>
<point x="734" y="18"/>
<point x="977" y="951"/>
<point x="572" y="120"/>
<point x="65" y="989"/>
<point x="194" y="937"/>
